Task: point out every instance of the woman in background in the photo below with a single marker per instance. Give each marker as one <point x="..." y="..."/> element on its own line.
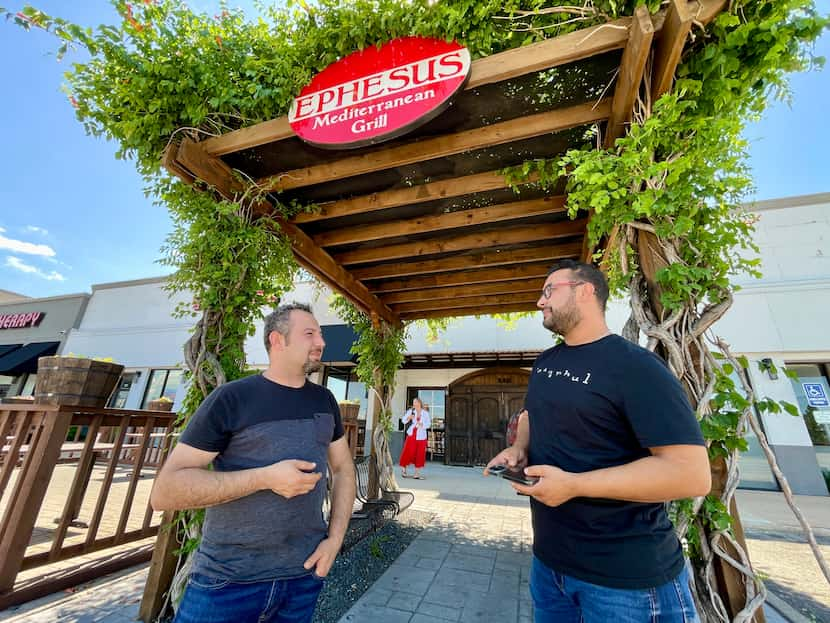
<point x="415" y="445"/>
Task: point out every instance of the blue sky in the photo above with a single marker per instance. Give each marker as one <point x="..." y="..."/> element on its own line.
<point x="71" y="215"/>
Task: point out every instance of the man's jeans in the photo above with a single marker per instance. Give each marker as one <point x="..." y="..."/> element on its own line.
<point x="561" y="598"/>
<point x="207" y="600"/>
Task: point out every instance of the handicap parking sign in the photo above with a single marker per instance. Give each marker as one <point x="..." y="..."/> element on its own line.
<point x="816" y="396"/>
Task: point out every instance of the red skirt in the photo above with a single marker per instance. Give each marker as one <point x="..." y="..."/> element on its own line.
<point x="414" y="451"/>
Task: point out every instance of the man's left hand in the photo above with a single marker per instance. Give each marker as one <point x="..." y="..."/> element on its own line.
<point x="322" y="558"/>
<point x="555" y="486"/>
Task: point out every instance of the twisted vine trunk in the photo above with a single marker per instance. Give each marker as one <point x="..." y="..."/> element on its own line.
<point x="380" y="438"/>
<point x="724" y="569"/>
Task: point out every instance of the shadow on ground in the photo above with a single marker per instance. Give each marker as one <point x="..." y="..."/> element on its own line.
<point x="803" y="603"/>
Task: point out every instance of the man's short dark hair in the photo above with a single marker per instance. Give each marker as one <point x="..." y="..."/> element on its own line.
<point x="279" y="320"/>
<point x="586" y="272"/>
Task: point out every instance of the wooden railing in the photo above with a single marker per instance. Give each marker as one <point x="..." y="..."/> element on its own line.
<point x="33" y="442"/>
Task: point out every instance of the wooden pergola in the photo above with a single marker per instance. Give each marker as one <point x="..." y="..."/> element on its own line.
<point x="425" y="226"/>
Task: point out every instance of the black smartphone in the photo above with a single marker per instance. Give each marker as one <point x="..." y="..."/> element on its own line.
<point x="515" y="475"/>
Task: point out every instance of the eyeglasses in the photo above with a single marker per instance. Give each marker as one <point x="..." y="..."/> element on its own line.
<point x="547" y="291"/>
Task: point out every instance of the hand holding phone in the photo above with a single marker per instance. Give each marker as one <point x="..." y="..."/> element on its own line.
<point x="514" y="475"/>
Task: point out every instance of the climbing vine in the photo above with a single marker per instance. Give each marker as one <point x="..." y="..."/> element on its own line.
<point x="671" y="188"/>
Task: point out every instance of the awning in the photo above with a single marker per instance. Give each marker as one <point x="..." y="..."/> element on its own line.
<point x="7" y="348"/>
<point x="24" y="359"/>
<point x="339" y="339"/>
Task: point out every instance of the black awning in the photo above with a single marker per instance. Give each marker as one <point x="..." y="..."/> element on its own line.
<point x="24" y="359"/>
<point x="7" y="348"/>
<point x="339" y="339"/>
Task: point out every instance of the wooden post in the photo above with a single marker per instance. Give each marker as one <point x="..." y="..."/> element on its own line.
<point x="729" y="580"/>
<point x="162" y="570"/>
<point x="19" y="521"/>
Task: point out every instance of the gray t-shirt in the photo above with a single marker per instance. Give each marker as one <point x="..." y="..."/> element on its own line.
<point x="254" y="422"/>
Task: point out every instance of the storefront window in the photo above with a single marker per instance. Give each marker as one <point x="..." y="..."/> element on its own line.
<point x="118" y="400"/>
<point x="344" y="385"/>
<point x="813" y="393"/>
<point x="5" y="385"/>
<point x="162" y="383"/>
<point x="29" y="385"/>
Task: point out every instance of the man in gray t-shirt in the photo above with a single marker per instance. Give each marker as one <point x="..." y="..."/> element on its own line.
<point x="269" y="439"/>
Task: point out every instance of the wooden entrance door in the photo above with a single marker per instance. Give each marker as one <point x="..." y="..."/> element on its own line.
<point x="479" y="408"/>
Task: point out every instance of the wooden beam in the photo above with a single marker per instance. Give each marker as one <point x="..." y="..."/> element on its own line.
<point x="450" y="304"/>
<point x="332" y="274"/>
<point x="495" y="68"/>
<point x="475" y="260"/>
<point x="483" y="310"/>
<point x="168" y="161"/>
<point x="440" y="146"/>
<point x="440" y="222"/>
<point x="669" y="47"/>
<point x="489" y="69"/>
<point x="538" y="270"/>
<point x="489" y="239"/>
<point x="553" y="52"/>
<point x="213" y="171"/>
<point x="630" y="76"/>
<point x="515" y="287"/>
<point x="260" y="134"/>
<point x="444" y="189"/>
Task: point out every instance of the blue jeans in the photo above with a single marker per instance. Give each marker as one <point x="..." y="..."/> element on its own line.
<point x="561" y="598"/>
<point x="208" y="600"/>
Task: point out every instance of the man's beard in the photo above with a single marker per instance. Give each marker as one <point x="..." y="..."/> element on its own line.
<point x="561" y="321"/>
<point x="312" y="366"/>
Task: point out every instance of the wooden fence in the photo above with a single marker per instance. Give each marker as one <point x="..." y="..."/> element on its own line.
<point x="33" y="439"/>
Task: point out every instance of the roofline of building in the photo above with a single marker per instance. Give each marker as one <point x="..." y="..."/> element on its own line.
<point x="9" y="292"/>
<point x="129" y="282"/>
<point x="788" y="202"/>
<point x="46" y="299"/>
<point x="135" y="282"/>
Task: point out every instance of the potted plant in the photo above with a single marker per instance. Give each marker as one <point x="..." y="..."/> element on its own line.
<point x="76" y="380"/>
<point x="160" y="404"/>
<point x="349" y="410"/>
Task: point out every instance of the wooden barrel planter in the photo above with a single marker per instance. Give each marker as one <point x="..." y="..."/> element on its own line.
<point x="160" y="405"/>
<point x="75" y="381"/>
<point x="349" y="411"/>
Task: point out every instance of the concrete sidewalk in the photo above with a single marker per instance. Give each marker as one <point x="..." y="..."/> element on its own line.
<point x="472" y="563"/>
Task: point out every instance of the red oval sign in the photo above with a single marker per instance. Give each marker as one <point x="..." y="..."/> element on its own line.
<point x="378" y="94"/>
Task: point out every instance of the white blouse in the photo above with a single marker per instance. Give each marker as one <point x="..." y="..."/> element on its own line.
<point x="420" y="426"/>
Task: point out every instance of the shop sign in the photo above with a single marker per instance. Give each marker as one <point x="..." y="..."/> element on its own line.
<point x="19" y="321"/>
<point x="379" y="93"/>
<point x="816" y="396"/>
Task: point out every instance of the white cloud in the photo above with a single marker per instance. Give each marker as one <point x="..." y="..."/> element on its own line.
<point x="36" y="230"/>
<point x="18" y="264"/>
<point x="29" y="248"/>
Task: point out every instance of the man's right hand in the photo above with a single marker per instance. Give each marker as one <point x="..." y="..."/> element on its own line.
<point x="290" y="478"/>
<point x="513" y="457"/>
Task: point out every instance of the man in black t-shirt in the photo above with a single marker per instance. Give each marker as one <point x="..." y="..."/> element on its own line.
<point x="269" y="439"/>
<point x="611" y="437"/>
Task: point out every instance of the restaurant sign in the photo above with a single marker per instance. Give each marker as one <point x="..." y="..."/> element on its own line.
<point x="19" y="321"/>
<point x="379" y="93"/>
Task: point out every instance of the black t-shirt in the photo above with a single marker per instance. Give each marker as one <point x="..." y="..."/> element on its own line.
<point x="601" y="405"/>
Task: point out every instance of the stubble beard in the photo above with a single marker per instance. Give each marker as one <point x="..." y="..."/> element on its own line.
<point x="311" y="365"/>
<point x="562" y="321"/>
